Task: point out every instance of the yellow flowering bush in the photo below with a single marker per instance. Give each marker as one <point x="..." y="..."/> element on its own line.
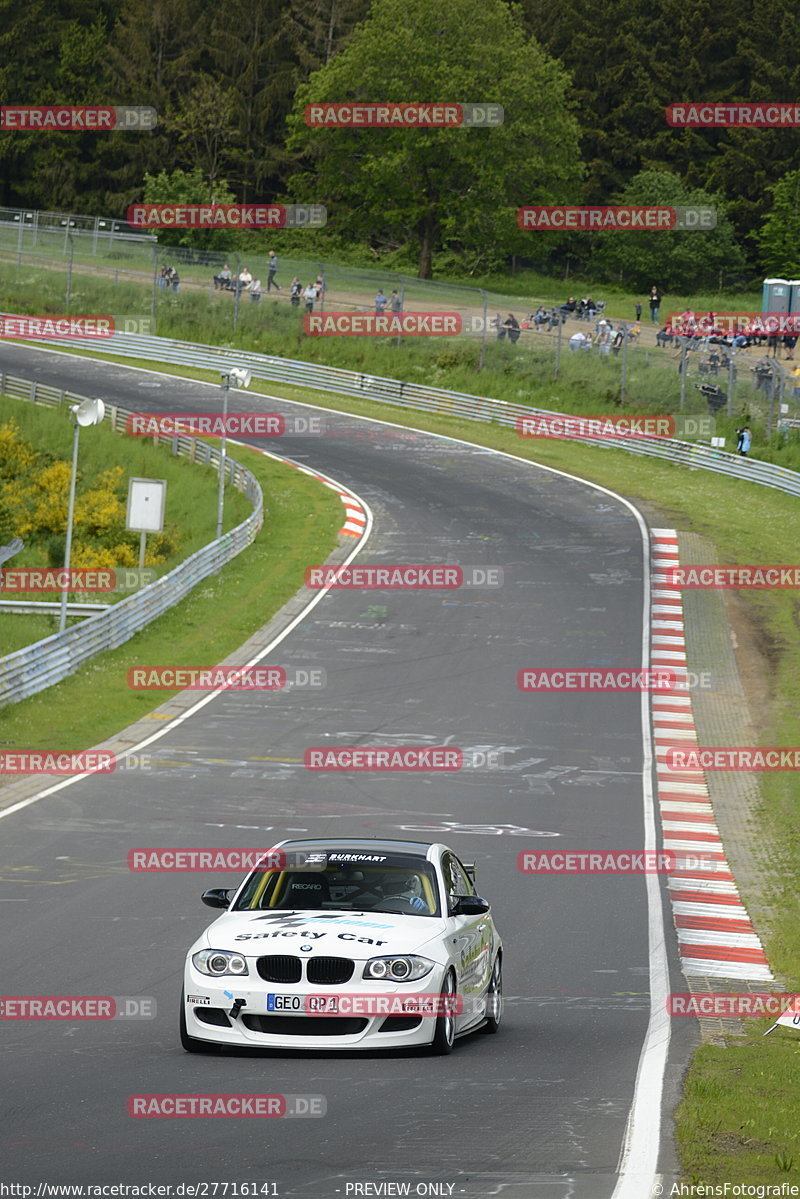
<point x="34" y="503"/>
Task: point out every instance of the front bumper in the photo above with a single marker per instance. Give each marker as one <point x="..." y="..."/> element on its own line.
<point x="257" y="1026"/>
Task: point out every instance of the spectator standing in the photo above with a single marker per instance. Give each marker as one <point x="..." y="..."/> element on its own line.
<point x="310" y="295"/>
<point x="497" y="323"/>
<point x="176" y="281"/>
<point x="296" y="289"/>
<point x="638" y="310"/>
<point x="163" y="278"/>
<point x="744" y="440"/>
<point x="255" y="290"/>
<point x="272" y="267"/>
<point x="381" y="300"/>
<point x="395" y="303"/>
<point x="655" y="304"/>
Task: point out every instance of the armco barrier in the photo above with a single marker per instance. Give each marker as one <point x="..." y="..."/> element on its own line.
<point x="45" y="662"/>
<point x="694" y="455"/>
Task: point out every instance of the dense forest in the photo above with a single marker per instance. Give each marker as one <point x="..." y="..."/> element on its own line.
<point x="584" y="86"/>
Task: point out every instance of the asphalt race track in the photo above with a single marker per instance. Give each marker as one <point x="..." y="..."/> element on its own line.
<point x="540" y="1109"/>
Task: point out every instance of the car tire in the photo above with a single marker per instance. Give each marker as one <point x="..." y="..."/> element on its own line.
<point x="191" y="1044"/>
<point x="494" y="998"/>
<point x="444" y="1033"/>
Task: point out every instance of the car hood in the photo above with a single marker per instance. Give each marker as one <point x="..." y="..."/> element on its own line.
<point x="331" y="933"/>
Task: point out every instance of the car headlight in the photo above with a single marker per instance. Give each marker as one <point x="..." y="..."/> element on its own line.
<point x="219" y="961"/>
<point x="405" y="969"/>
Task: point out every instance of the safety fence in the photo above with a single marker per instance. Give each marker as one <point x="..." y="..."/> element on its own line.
<point x="403" y="394"/>
<point x="43" y="663"/>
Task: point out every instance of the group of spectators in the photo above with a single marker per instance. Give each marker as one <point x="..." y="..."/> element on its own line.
<point x="244" y="281"/>
<point x="667" y="336"/>
<point x="394" y="301"/>
<point x="608" y="338"/>
<point x="169" y="279"/>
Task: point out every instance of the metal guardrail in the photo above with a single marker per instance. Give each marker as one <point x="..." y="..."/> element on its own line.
<point x="417" y="396"/>
<point x="43" y="663"/>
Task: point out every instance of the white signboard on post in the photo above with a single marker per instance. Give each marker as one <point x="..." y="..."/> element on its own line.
<point x="146" y="502"/>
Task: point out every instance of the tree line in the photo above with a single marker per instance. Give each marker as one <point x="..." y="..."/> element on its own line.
<point x="583" y="86"/>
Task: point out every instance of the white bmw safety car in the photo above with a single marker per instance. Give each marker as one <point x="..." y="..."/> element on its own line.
<point x="345" y="944"/>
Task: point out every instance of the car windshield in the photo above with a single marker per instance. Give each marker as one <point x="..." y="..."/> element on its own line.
<point x="386" y="883"/>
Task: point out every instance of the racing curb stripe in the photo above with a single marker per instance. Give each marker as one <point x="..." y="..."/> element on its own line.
<point x="355" y="516"/>
<point x="715" y="934"/>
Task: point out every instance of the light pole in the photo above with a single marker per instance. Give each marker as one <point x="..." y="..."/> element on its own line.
<point x="237" y="376"/>
<point x="90" y="412"/>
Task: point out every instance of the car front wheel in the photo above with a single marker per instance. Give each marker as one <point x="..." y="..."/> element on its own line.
<point x="494" y="997"/>
<point x="444" y="1033"/>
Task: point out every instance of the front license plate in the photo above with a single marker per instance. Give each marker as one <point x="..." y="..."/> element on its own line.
<point x="302" y="1004"/>
<point x="284" y="1003"/>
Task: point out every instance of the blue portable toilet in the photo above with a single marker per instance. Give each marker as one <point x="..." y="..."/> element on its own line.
<point x="776" y="295"/>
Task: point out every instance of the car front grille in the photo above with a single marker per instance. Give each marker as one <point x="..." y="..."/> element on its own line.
<point x="329" y="971"/>
<point x="280" y="968"/>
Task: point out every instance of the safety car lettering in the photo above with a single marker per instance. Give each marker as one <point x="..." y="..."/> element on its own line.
<point x="361" y="940"/>
<point x="306" y="936"/>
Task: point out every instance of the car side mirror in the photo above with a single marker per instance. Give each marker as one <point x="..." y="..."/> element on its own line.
<point x="217" y="897"/>
<point x="469" y="905"/>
